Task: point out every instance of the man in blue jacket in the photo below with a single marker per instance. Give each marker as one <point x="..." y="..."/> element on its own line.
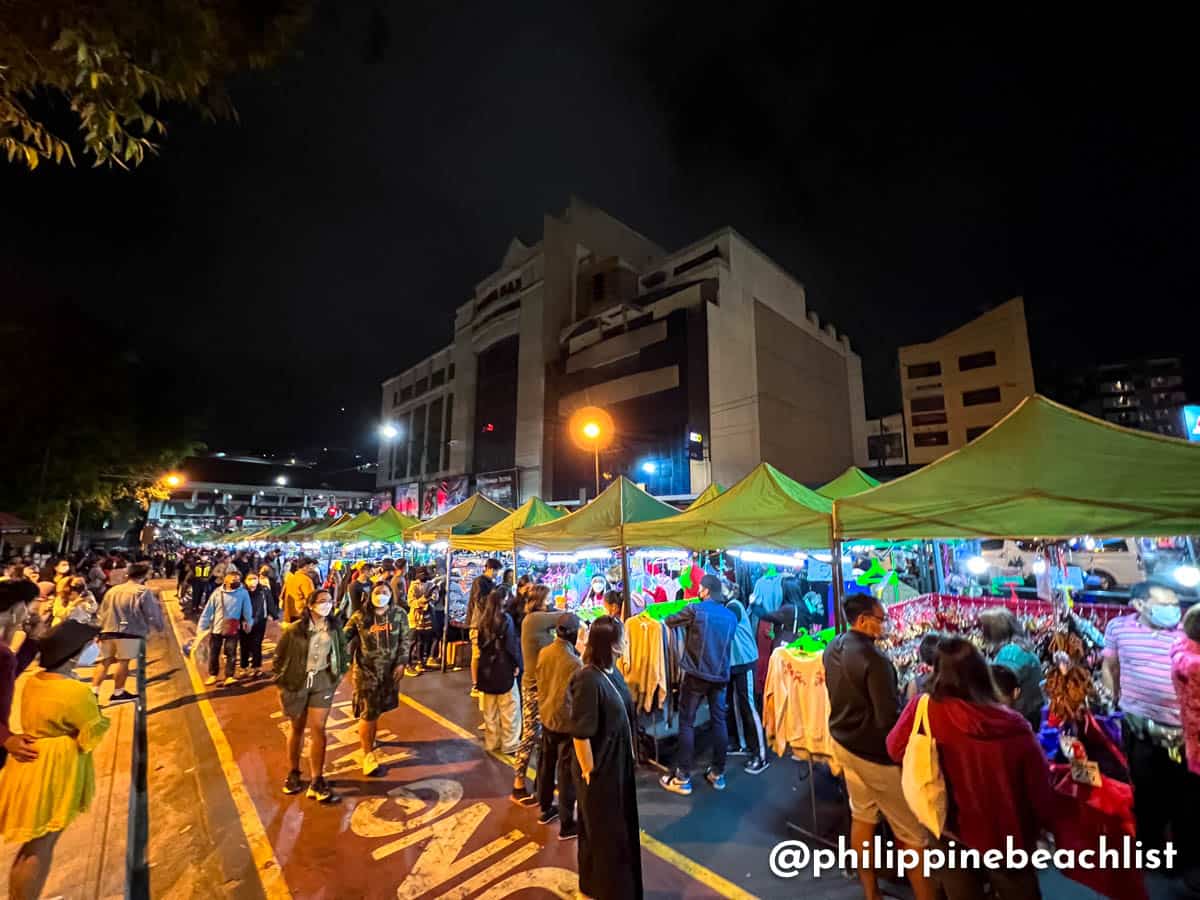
<point x="228" y="613"/>
<point x="705" y="664"/>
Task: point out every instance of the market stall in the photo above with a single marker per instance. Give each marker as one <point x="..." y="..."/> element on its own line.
<point x="853" y="481"/>
<point x="713" y="490"/>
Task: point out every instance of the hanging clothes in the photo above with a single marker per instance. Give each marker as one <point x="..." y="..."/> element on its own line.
<point x="768" y="592"/>
<point x="796" y="705"/>
<point x="644" y="662"/>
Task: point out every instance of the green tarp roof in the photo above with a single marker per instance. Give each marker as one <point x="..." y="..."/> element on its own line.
<point x="713" y="490"/>
<point x="388" y="527"/>
<point x="853" y="481"/>
<point x="766" y="509"/>
<point x="1042" y="471"/>
<point x="306" y="532"/>
<point x="347" y="529"/>
<point x="475" y="514"/>
<point x="602" y="523"/>
<point x="281" y="529"/>
<point x="330" y="525"/>
<point x="500" y="536"/>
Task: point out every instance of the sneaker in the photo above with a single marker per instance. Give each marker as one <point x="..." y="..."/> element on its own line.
<point x="411" y="671"/>
<point x="548" y="816"/>
<point x="676" y="785"/>
<point x="738" y="751"/>
<point x="522" y="797"/>
<point x="432" y="663"/>
<point x="568" y="832"/>
<point x="475" y="692"/>
<point x="121" y="697"/>
<point x="320" y="791"/>
<point x="256" y="673"/>
<point x="230" y="681"/>
<point x="293" y="784"/>
<point x="370" y="764"/>
<point x="716" y="779"/>
<point x="756" y="766"/>
<point x="210" y="680"/>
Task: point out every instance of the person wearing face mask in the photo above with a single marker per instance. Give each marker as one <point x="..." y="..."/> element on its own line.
<point x="310" y="660"/>
<point x="228" y="614"/>
<point x="1137" y="670"/>
<point x="39" y="798"/>
<point x="378" y="640"/>
<point x="864" y="705"/>
<point x="262" y="607"/>
<point x="74" y="601"/>
<point x="62" y="572"/>
<point x="16" y="653"/>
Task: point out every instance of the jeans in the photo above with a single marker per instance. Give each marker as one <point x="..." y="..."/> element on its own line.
<point x="691" y="692"/>
<point x="418" y="650"/>
<point x="555" y="758"/>
<point x="251" y="645"/>
<point x="218" y="644"/>
<point x="745" y="726"/>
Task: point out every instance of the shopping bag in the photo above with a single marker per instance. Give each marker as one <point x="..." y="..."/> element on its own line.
<point x="921" y="773"/>
<point x="201" y="650"/>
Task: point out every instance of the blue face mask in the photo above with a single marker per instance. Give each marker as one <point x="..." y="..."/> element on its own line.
<point x="1165" y="616"/>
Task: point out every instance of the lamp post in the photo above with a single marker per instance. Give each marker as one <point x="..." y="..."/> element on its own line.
<point x="591" y="431"/>
<point x="592" y="428"/>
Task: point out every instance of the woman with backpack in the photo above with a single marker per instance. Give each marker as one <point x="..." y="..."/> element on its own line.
<point x="499" y="668"/>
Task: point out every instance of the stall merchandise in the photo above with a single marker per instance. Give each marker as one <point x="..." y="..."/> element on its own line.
<point x="796" y="706"/>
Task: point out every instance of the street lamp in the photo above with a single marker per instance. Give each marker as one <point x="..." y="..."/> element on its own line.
<point x="281" y="480"/>
<point x="173" y="479"/>
<point x="592" y="428"/>
<point x="388" y="431"/>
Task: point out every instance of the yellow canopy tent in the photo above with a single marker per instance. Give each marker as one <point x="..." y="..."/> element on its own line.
<point x="475" y="514"/>
<point x="501" y="536"/>
<point x="602" y="523"/>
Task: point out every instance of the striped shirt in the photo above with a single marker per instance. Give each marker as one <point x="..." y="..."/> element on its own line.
<point x="1145" y="657"/>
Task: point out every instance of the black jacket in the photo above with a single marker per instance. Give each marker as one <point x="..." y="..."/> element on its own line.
<point x="710" y="628"/>
<point x="499" y="660"/>
<point x="864" y="698"/>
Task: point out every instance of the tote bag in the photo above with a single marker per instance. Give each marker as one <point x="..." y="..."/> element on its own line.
<point x="921" y="773"/>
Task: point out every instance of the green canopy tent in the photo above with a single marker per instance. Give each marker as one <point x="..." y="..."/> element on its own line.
<point x="853" y="481"/>
<point x="388" y="527"/>
<point x="1044" y="470"/>
<point x="766" y="509"/>
<point x="346" y="530"/>
<point x="713" y="490"/>
<point x="602" y="523"/>
<point x="501" y="536"/>
<point x="306" y="532"/>
<point x="281" y="529"/>
<point x="330" y="525"/>
<point x="475" y="514"/>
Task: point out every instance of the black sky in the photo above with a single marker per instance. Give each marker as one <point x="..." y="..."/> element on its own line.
<point x="910" y="173"/>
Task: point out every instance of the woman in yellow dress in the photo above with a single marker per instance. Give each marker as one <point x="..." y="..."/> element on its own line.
<point x="39" y="799"/>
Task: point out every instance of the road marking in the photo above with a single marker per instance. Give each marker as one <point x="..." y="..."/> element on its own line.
<point x="672" y="857"/>
<point x="270" y="874"/>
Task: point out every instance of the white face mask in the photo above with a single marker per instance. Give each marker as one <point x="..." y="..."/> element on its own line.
<point x="381" y="600"/>
<point x="324" y="609"/>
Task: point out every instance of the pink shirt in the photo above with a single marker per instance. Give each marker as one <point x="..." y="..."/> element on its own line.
<point x="1145" y="657"/>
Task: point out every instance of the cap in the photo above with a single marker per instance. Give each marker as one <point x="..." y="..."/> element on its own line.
<point x="568" y="624"/>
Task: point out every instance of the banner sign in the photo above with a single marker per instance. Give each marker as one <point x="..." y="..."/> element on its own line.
<point x="443" y="494"/>
<point x="499" y="487"/>
<point x="408" y="499"/>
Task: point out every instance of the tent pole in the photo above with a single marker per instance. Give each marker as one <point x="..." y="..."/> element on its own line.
<point x="839" y="587"/>
<point x="446" y="608"/>
<point x="624" y="582"/>
<point x="939" y="577"/>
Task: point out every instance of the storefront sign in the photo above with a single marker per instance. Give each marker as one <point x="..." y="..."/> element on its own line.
<point x="408" y="499"/>
<point x="446" y="493"/>
<point x="1191" y="422"/>
<point x="499" y="487"/>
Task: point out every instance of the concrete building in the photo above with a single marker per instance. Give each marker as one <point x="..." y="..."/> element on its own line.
<point x="1147" y="394"/>
<point x="956" y="387"/>
<point x="713" y="341"/>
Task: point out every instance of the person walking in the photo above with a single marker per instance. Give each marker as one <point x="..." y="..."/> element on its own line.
<point x="705" y="664"/>
<point x="556" y="664"/>
<point x="262" y="607"/>
<point x="227" y="616"/>
<point x="610" y="851"/>
<point x="481" y="589"/>
<point x="399" y="581"/>
<point x="40" y="797"/>
<point x="498" y="670"/>
<point x="864" y="702"/>
<point x="310" y="660"/>
<point x="128" y="612"/>
<point x="420" y="621"/>
<point x="1006" y="644"/>
<point x="996" y="774"/>
<point x="744" y="724"/>
<point x="378" y="640"/>
<point x="297" y="588"/>
<point x="537" y="631"/>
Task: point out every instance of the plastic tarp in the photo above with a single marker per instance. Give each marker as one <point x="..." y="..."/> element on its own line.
<point x="306" y="532"/>
<point x="713" y="490"/>
<point x="1043" y="471"/>
<point x="347" y="530"/>
<point x="766" y="509"/>
<point x="281" y="529"/>
<point x="330" y="526"/>
<point x="602" y="523"/>
<point x="475" y="514"/>
<point x="501" y="535"/>
<point x="853" y="481"/>
<point x="388" y="527"/>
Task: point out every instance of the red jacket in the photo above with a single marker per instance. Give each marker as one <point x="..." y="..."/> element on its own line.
<point x="996" y="774"/>
<point x="1185" y="672"/>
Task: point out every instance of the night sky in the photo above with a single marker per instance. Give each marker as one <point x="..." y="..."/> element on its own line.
<point x="910" y="174"/>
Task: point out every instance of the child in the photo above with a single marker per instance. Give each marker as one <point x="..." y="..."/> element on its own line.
<point x="420" y="622"/>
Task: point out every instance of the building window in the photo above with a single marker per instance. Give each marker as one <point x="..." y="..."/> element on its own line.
<point x="406" y="393"/>
<point x="438" y="378"/>
<point x="930" y="438"/>
<point x="450" y="372"/>
<point x="395" y="398"/>
<point x="977" y="361"/>
<point x="882" y="447"/>
<point x="416" y="456"/>
<point x="975" y="432"/>
<point x="433" y="443"/>
<point x="449" y="427"/>
<point x="421" y="386"/>
<point x="925" y="370"/>
<point x="598" y="286"/>
<point x="933" y="418"/>
<point x="927" y="404"/>
<point x="981" y="396"/>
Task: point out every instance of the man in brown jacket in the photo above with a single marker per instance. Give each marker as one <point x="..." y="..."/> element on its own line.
<point x="556" y="664"/>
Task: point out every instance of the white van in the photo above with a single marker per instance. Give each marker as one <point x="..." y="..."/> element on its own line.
<point x="1115" y="562"/>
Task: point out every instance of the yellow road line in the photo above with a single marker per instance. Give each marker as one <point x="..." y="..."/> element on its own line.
<point x="267" y="865"/>
<point x="694" y="870"/>
<point x="684" y="864"/>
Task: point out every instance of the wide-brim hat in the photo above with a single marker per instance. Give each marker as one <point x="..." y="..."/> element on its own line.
<point x="64" y="642"/>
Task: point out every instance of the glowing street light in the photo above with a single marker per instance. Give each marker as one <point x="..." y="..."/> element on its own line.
<point x="173" y="479"/>
<point x="649" y="467"/>
<point x="388" y="431"/>
<point x="281" y="480"/>
<point x="592" y="428"/>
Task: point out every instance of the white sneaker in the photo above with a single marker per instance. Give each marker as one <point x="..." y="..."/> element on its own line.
<point x="370" y="764"/>
<point x="210" y="680"/>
